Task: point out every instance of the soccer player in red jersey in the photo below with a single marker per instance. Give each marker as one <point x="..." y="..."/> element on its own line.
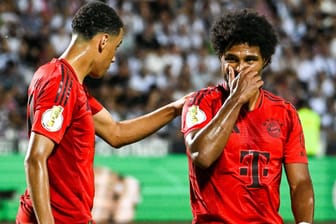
<point x="238" y="135"/>
<point x="63" y="120"/>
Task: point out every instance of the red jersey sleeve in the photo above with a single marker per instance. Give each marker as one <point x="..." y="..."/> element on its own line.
<point x="53" y="96"/>
<point x="94" y="105"/>
<point x="295" y="151"/>
<point x="198" y="111"/>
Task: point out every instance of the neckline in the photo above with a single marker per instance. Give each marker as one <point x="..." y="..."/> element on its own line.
<point x="258" y="104"/>
<point x="66" y="63"/>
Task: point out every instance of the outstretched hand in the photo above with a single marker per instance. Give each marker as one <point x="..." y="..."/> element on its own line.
<point x="178" y="104"/>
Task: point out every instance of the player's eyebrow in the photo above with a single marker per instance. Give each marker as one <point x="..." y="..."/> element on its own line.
<point x="252" y="57"/>
<point x="230" y="56"/>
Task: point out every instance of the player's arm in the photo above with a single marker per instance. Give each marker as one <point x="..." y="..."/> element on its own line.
<point x="206" y="144"/>
<point x="39" y="149"/>
<point x="121" y="133"/>
<point x="301" y="192"/>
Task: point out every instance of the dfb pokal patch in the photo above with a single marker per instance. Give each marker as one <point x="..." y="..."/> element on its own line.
<point x="194" y="116"/>
<point x="52" y="119"/>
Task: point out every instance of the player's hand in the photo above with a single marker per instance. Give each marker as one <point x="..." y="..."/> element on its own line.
<point x="245" y="83"/>
<point x="178" y="104"/>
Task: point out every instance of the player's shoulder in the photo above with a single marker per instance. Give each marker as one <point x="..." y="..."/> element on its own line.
<point x="54" y="70"/>
<point x="211" y="93"/>
<point x="277" y="101"/>
<point x="51" y="68"/>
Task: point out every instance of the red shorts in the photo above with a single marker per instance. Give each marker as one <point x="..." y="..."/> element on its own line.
<point x="25" y="213"/>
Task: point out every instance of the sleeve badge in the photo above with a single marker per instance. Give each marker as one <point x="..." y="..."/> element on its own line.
<point x="52" y="119"/>
<point x="194" y="116"/>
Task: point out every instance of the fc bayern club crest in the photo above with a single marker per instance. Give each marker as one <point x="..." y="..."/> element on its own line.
<point x="273" y="128"/>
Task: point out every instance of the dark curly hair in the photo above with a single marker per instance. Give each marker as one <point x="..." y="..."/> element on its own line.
<point x="96" y="17"/>
<point x="243" y="26"/>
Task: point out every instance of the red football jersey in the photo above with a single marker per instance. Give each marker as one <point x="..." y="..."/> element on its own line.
<point x="242" y="186"/>
<point x="60" y="108"/>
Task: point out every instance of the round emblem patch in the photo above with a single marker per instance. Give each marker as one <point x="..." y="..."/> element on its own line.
<point x="52" y="119"/>
<point x="194" y="116"/>
<point x="273" y="128"/>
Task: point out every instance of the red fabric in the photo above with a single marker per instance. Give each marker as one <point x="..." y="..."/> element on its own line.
<point x="70" y="166"/>
<point x="242" y="186"/>
<point x="25" y="213"/>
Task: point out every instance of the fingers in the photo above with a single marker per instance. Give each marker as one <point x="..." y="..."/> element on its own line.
<point x="243" y="79"/>
<point x="245" y="84"/>
<point x="250" y="73"/>
<point x="230" y="72"/>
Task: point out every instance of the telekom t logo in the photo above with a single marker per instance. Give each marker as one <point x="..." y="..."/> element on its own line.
<point x="255" y="165"/>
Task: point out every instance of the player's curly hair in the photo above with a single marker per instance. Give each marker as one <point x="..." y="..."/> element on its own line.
<point x="96" y="17"/>
<point x="243" y="26"/>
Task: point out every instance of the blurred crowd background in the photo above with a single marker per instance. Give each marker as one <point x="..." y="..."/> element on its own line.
<point x="166" y="54"/>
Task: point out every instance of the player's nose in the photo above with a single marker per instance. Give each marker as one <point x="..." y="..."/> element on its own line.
<point x="241" y="66"/>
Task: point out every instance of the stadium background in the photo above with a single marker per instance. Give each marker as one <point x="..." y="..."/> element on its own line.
<point x="165" y="54"/>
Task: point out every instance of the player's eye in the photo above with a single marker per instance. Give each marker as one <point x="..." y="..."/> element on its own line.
<point x="251" y="59"/>
<point x="231" y="59"/>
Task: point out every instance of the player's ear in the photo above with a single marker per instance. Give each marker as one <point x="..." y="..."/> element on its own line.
<point x="103" y="42"/>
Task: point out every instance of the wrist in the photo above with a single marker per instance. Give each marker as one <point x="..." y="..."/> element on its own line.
<point x="175" y="110"/>
<point x="233" y="102"/>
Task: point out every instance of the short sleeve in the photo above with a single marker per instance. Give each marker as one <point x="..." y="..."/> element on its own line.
<point x="54" y="106"/>
<point x="196" y="113"/>
<point x="94" y="105"/>
<point x="295" y="151"/>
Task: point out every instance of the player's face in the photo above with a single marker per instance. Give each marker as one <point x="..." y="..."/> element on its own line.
<point x="240" y="57"/>
<point x="107" y="55"/>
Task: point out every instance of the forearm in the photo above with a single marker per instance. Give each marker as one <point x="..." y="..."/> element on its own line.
<point x="208" y="143"/>
<point x="121" y="133"/>
<point x="302" y="198"/>
<point x="38" y="184"/>
<point x="138" y="128"/>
